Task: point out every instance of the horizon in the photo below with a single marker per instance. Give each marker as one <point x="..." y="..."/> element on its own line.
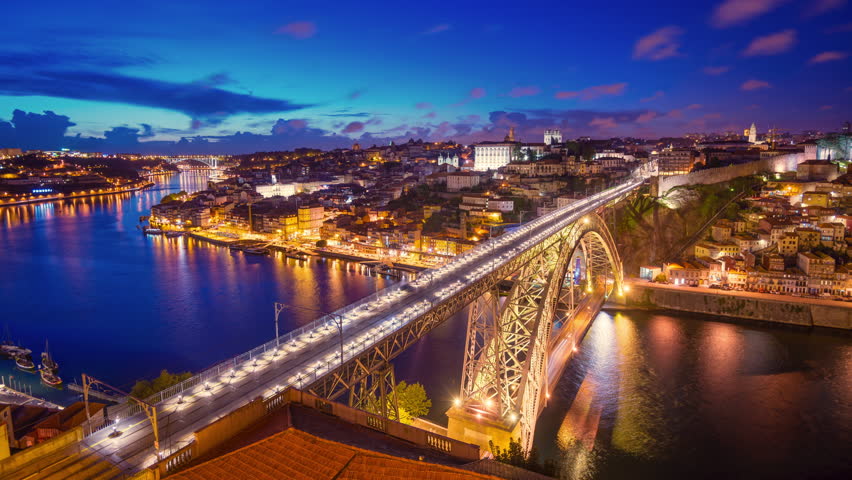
<point x="261" y="77"/>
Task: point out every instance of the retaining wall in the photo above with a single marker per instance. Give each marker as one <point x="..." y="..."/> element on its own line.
<point x="776" y="164"/>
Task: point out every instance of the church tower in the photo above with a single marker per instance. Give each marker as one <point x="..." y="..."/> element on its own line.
<point x="511" y="136"/>
<point x="752" y="134"/>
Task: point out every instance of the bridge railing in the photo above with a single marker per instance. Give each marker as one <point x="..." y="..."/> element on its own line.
<point x="121" y="412"/>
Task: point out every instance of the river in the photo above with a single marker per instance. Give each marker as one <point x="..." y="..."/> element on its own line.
<point x="648" y="395"/>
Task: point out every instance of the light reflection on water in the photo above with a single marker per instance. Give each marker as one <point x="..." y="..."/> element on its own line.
<point x="668" y="396"/>
<point x="120" y="305"/>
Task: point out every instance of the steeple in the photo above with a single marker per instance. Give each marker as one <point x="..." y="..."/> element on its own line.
<point x="752" y="134"/>
<point x="511" y="136"/>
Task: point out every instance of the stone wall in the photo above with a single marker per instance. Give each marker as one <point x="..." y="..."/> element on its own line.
<point x="755" y="307"/>
<point x="778" y="164"/>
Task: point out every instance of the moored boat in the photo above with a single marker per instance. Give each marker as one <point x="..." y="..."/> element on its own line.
<point x="174" y="233"/>
<point x="152" y="231"/>
<point x="256" y="251"/>
<point x="25" y="362"/>
<point x="49" y="378"/>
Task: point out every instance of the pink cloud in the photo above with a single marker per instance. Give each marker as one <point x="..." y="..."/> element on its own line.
<point x="818" y="7"/>
<point x="646" y="117"/>
<point x="754" y="85"/>
<point x="826" y="107"/>
<point x="300" y="30"/>
<point x="713" y="116"/>
<point x="477" y="92"/>
<point x="518" y="92"/>
<point x="656" y="95"/>
<point x="603" y="123"/>
<point x="356" y="94"/>
<point x="716" y="70"/>
<point x="676" y="113"/>
<point x="429" y="115"/>
<point x="423" y="106"/>
<point x="441" y="27"/>
<point x="842" y="28"/>
<point x="828" y="57"/>
<point x="354" y="127"/>
<point x="591" y="93"/>
<point x="694" y="106"/>
<point x="771" y="44"/>
<point x="658" y="45"/>
<point x="734" y="12"/>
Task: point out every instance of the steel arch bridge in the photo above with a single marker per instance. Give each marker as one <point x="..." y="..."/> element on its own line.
<point x="211" y="162"/>
<point x="504" y="379"/>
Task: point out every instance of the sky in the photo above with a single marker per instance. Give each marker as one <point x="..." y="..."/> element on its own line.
<point x="215" y="76"/>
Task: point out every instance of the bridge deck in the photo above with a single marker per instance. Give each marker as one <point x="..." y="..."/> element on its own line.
<point x="312" y="355"/>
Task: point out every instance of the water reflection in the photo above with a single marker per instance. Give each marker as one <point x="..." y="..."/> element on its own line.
<point x="120" y="305"/>
<point x="669" y="397"/>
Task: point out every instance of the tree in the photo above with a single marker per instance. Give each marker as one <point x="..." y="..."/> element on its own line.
<point x="145" y="388"/>
<point x="174" y="197"/>
<point x="322" y="243"/>
<point x="515" y="455"/>
<point x="412" y="401"/>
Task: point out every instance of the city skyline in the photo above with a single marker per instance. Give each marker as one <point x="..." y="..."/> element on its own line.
<point x="239" y="79"/>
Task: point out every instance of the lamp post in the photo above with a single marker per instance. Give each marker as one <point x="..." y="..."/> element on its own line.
<point x="338" y="321"/>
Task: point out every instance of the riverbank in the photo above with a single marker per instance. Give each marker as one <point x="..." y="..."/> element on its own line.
<point x="86" y="193"/>
<point x="804" y="312"/>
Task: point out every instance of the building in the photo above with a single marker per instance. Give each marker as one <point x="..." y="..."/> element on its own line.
<point x="448" y="160"/>
<point x="552" y="137"/>
<point x="752" y="133"/>
<point x="493" y="155"/>
<point x="817" y="170"/>
<point x="461" y="180"/>
<point x="310" y="219"/>
<point x="674" y="161"/>
<point x="815" y="264"/>
<point x="276" y="190"/>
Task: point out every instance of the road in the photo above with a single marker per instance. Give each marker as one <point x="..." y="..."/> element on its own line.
<point x="312" y="354"/>
<point x="743" y="294"/>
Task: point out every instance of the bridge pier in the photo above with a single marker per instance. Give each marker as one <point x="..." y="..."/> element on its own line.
<point x="481" y="429"/>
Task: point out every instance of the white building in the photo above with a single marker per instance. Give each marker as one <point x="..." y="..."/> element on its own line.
<point x="552" y="136"/>
<point x="276" y="190"/>
<point x="448" y="160"/>
<point x="493" y="155"/>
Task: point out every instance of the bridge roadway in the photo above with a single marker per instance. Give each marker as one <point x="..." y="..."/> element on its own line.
<point x="313" y="354"/>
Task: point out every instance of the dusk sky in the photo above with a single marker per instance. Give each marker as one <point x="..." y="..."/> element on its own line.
<point x="236" y="77"/>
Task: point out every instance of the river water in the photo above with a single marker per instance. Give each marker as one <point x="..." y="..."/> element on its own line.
<point x="648" y="395"/>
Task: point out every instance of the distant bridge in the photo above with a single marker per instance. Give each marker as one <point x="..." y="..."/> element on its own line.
<point x="211" y="162"/>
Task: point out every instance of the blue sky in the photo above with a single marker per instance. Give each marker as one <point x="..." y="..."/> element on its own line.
<point x="263" y="75"/>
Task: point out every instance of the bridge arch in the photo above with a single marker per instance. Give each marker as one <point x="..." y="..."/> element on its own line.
<point x="504" y="379"/>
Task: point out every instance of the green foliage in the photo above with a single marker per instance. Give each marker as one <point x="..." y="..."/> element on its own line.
<point x="660" y="278"/>
<point x="515" y="455"/>
<point x="145" y="388"/>
<point x="174" y="197"/>
<point x="435" y="223"/>
<point x="322" y="243"/>
<point x="412" y="401"/>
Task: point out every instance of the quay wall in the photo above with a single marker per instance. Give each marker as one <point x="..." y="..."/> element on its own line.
<point x="779" y="309"/>
<point x="777" y="164"/>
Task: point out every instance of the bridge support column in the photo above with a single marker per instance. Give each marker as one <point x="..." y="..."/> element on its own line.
<point x="377" y="393"/>
<point x="481" y="429"/>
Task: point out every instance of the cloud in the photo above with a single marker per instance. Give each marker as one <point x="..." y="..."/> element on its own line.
<point x="754" y="85"/>
<point x="772" y="44"/>
<point x="735" y="12"/>
<point x="818" y="7"/>
<point x="201" y="102"/>
<point x="657" y="95"/>
<point x="356" y="94"/>
<point x="475" y="93"/>
<point x="441" y="27"/>
<point x="603" y="123"/>
<point x="529" y="91"/>
<point x="646" y="117"/>
<point x="826" y="107"/>
<point x="658" y="45"/>
<point x="70" y="59"/>
<point x="591" y="93"/>
<point x="715" y="71"/>
<point x="694" y="106"/>
<point x="354" y="127"/>
<point x="430" y="115"/>
<point x="298" y="30"/>
<point x="423" y="106"/>
<point x="828" y="57"/>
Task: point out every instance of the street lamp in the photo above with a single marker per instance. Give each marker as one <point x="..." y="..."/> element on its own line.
<point x="338" y="321"/>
